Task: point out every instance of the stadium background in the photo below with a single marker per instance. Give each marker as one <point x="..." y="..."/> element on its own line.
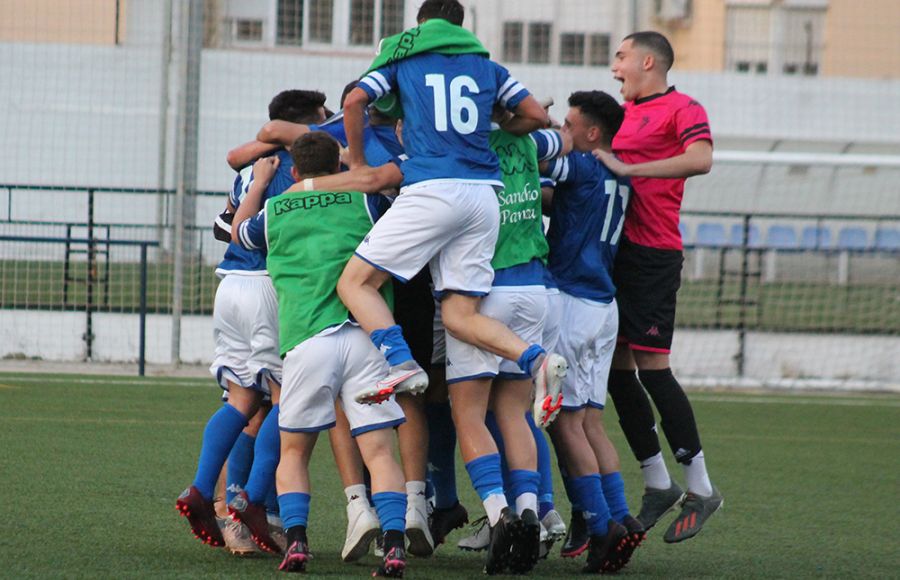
<point x="117" y="115"/>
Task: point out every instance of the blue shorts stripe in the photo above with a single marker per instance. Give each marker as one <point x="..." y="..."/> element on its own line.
<point x="376" y="426"/>
<point x="377" y="267"/>
<point x="471" y="378"/>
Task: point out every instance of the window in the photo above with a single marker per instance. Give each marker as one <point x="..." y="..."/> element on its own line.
<point x="513" y="33"/>
<point x="290" y="22"/>
<point x="571" y="48"/>
<point x="248" y="30"/>
<point x="539" y="42"/>
<point x="391" y="17"/>
<point x="599" y="55"/>
<point x="781" y="38"/>
<point x="362" y="21"/>
<point x="321" y="17"/>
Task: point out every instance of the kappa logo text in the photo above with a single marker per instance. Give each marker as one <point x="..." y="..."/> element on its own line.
<point x="321" y="200"/>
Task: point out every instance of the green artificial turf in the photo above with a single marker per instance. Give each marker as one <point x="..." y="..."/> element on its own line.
<point x="91" y="466"/>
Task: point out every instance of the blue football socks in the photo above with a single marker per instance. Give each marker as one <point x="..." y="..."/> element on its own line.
<point x="266" y="455"/>
<point x="391" y="509"/>
<point x="222" y="430"/>
<point x="294" y="508"/>
<point x="239" y="462"/>
<point x="614" y="492"/>
<point x="589" y="491"/>
<point x="390" y="341"/>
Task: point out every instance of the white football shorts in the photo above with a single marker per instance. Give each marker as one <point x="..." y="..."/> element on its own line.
<point x="521" y="308"/>
<point x="587" y="339"/>
<point x="452" y="226"/>
<point x="327" y="366"/>
<point x="551" y="323"/>
<point x="245" y="330"/>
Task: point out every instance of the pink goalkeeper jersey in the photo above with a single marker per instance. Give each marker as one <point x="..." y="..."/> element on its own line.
<point x="658" y="127"/>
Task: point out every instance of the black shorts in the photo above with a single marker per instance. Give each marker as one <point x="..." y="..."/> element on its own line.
<point x="647" y="280"/>
<point x="414" y="312"/>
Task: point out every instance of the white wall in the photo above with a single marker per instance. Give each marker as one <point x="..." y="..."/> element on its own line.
<point x="703" y="358"/>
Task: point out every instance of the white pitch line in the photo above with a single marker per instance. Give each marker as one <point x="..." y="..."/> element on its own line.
<point x="163" y="381"/>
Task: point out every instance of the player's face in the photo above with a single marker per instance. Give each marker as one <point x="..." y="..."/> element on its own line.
<point x="578" y="129"/>
<point x="628" y="68"/>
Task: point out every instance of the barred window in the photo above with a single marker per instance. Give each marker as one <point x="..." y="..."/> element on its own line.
<point x="391" y="17"/>
<point x="321" y="17"/>
<point x="249" y="30"/>
<point x="539" y="42"/>
<point x="362" y="21"/>
<point x="600" y="52"/>
<point x="290" y="22"/>
<point x="513" y="33"/>
<point x="571" y="48"/>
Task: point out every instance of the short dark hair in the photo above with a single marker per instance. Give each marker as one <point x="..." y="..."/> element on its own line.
<point x="655" y="43"/>
<point x="450" y="10"/>
<point x="316" y="153"/>
<point x="601" y="109"/>
<point x="297" y="106"/>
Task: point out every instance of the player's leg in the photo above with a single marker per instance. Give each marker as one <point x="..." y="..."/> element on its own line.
<point x="372" y="426"/>
<point x="680" y="428"/>
<point x="292" y="479"/>
<point x="640" y="292"/>
<point x="414" y="312"/>
<point x="362" y="521"/>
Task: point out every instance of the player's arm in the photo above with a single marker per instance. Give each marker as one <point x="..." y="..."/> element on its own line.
<point x="263" y="170"/>
<point x="696" y="160"/>
<point x="244" y="155"/>
<point x="366" y="178"/>
<point x="282" y="133"/>
<point x="354" y="123"/>
<point x="527" y="116"/>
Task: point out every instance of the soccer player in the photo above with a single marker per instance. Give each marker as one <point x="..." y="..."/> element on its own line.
<point x="309" y="236"/>
<point x="246" y="363"/>
<point x="586" y="220"/>
<point x="414" y="308"/>
<point x="446" y="215"/>
<point x="664" y="139"/>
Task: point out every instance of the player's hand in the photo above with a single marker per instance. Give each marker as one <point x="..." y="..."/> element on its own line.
<point x="613" y="164"/>
<point x="265" y="168"/>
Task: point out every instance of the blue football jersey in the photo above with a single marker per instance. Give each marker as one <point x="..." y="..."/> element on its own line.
<point x="447" y="103"/>
<point x="585" y="225"/>
<point x="238" y="259"/>
<point x="380" y="143"/>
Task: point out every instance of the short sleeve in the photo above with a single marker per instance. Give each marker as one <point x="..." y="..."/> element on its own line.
<point x="692" y="124"/>
<point x="563" y="170"/>
<point x="511" y="91"/>
<point x="241" y="186"/>
<point x="252" y="232"/>
<point x="379" y="82"/>
<point x="548" y="142"/>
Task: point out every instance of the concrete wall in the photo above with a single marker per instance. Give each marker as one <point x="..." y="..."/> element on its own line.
<point x="704" y="358"/>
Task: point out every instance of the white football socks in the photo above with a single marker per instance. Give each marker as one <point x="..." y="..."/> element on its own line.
<point x="493" y="505"/>
<point x="696" y="476"/>
<point x="655" y="472"/>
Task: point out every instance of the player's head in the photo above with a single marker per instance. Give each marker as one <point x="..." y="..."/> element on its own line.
<point x="593" y="119"/>
<point x="450" y="10"/>
<point x="642" y="59"/>
<point x="296" y="106"/>
<point x="315" y="154"/>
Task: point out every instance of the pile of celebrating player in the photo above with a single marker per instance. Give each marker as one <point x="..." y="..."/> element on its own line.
<point x="435" y="308"/>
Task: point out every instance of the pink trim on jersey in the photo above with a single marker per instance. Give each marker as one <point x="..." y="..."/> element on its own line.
<point x="633" y="346"/>
<point x="658" y="127"/>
